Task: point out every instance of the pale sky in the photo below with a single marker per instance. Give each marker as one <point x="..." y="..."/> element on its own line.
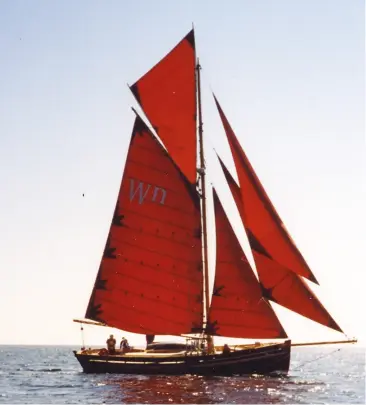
<point x="290" y="78"/>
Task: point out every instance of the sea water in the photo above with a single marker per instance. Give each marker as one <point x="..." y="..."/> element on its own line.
<point x="52" y="375"/>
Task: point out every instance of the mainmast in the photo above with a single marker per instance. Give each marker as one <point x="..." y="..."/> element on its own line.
<point x="202" y="173"/>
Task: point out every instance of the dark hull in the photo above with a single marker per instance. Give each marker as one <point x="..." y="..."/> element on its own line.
<point x="263" y="360"/>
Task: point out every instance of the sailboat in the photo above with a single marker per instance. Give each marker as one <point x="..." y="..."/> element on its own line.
<point x="153" y="277"/>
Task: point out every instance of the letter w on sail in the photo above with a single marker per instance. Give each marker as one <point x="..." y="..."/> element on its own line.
<point x="141" y="191"/>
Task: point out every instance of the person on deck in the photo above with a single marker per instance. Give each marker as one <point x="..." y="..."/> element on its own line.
<point x="210" y="345"/>
<point x="124" y="346"/>
<point x="149" y="339"/>
<point x="111" y="345"/>
<point x="226" y="350"/>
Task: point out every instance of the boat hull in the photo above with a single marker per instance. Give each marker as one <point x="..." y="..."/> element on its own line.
<point x="262" y="360"/>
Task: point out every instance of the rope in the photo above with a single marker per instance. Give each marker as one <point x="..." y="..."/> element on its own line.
<point x="316" y="359"/>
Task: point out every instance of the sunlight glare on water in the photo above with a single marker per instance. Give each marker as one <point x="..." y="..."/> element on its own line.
<point x="36" y="375"/>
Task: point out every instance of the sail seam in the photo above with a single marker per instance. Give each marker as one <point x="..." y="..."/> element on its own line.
<point x="157" y="269"/>
<point x="172" y="224"/>
<point x="152" y="168"/>
<point x="175" y="321"/>
<point x="133" y="326"/>
<point x="250" y="325"/>
<point x="160" y="253"/>
<point x="157" y="236"/>
<point x="171" y="288"/>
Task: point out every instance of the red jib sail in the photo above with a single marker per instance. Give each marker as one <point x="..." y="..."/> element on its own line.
<point x="259" y="215"/>
<point x="279" y="284"/>
<point x="238" y="308"/>
<point x="150" y="276"/>
<point x="167" y="95"/>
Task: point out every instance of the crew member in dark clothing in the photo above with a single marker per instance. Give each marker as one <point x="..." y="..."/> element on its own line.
<point x="111" y="345"/>
<point x="226" y="350"/>
<point x="149" y="339"/>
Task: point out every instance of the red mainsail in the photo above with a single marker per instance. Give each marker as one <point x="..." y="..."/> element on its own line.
<point x="167" y="95"/>
<point x="279" y="284"/>
<point x="259" y="215"/>
<point x="238" y="308"/>
<point x="150" y="276"/>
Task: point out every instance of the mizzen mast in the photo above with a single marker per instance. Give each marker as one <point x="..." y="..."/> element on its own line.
<point x="202" y="173"/>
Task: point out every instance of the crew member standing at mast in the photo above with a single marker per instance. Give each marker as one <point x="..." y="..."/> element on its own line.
<point x="111" y="345"/>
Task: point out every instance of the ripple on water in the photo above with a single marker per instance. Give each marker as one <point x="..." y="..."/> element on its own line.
<point x="52" y="375"/>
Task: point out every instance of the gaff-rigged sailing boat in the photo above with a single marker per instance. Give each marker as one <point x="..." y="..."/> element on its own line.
<point x="153" y="276"/>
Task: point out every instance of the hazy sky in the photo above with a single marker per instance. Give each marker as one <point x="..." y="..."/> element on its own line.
<point x="289" y="76"/>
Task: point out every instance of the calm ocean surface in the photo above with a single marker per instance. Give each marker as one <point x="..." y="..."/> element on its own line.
<point x="40" y="375"/>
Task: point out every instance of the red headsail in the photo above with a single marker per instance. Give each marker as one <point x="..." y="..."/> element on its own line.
<point x="167" y="95"/>
<point x="259" y="215"/>
<point x="279" y="284"/>
<point x="238" y="308"/>
<point x="150" y="276"/>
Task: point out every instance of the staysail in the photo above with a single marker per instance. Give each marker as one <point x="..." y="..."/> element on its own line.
<point x="259" y="215"/>
<point x="279" y="284"/>
<point x="238" y="308"/>
<point x="167" y="95"/>
<point x="150" y="276"/>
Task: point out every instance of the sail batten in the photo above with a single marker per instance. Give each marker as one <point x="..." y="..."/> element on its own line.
<point x="258" y="213"/>
<point x="167" y="95"/>
<point x="278" y="283"/>
<point x="238" y="308"/>
<point x="150" y="276"/>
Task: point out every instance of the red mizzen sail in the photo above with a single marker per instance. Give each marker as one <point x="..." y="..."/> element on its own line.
<point x="259" y="215"/>
<point x="238" y="308"/>
<point x="279" y="284"/>
<point x="150" y="276"/>
<point x="167" y="95"/>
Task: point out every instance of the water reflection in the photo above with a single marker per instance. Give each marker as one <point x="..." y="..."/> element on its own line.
<point x="198" y="390"/>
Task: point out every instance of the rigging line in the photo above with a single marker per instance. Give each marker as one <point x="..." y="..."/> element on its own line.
<point x="316" y="359"/>
<point x="347" y="336"/>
